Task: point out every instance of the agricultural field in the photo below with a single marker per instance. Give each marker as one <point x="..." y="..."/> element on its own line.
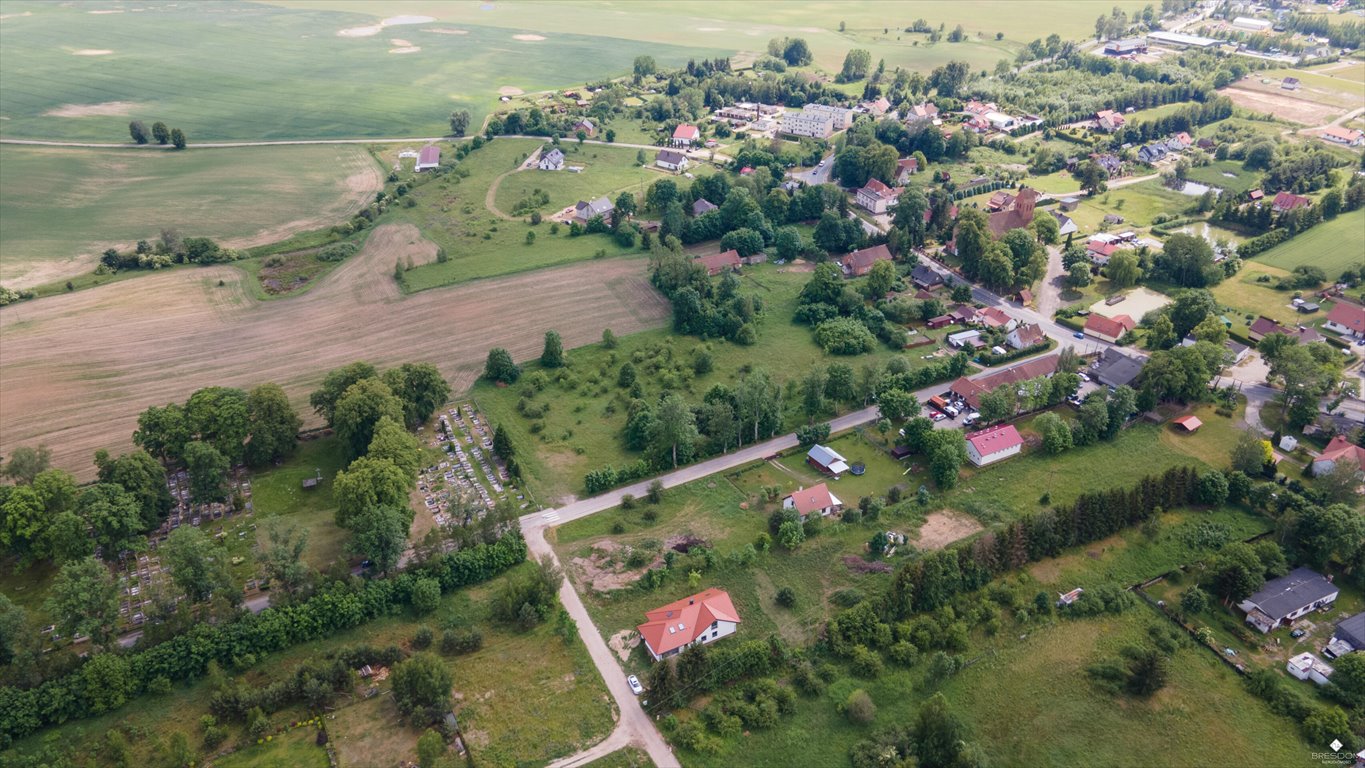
<point x="158" y="338"/>
<point x="1338" y="87"/>
<point x="52" y="228"/>
<point x="1332" y="245"/>
<point x="213" y="69"/>
<point x="582" y="428"/>
<point x="1308" y="107"/>
<point x="523" y="698"/>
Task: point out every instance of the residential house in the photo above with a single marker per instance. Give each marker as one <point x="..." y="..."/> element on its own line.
<point x="671" y="160"/>
<point x="552" y="160"/>
<point x="1025" y="336"/>
<point x="1285" y="599"/>
<point x="1109" y="329"/>
<point x="924" y="276"/>
<point x="587" y="126"/>
<point x="964" y="314"/>
<point x="876" y="108"/>
<point x="1100" y="252"/>
<point x="1348" y="636"/>
<point x="1238" y="351"/>
<point x="428" y="158"/>
<point x="1108" y="120"/>
<point x="1111" y="164"/>
<point x="995" y="318"/>
<point x="826" y="460"/>
<point x="1151" y="153"/>
<point x="843" y="116"/>
<point x="686" y="135"/>
<point x="1287" y="201"/>
<point x="1347" y="319"/>
<point x="717" y="263"/>
<point x="1338" y="450"/>
<point x="905" y="168"/>
<point x="974" y="107"/>
<point x="961" y="339"/>
<point x="1017" y="216"/>
<point x="586" y="211"/>
<point x="999" y="201"/>
<point x="815" y="500"/>
<point x="926" y="112"/>
<point x="698" y="619"/>
<point x="971" y="390"/>
<point x="994" y="444"/>
<point x="1290" y="84"/>
<point x="876" y="197"/>
<point x="1262" y="327"/>
<point x="1306" y="666"/>
<point x="1065" y="226"/>
<point x="819" y="125"/>
<point x="1116" y="369"/>
<point x="1350" y="137"/>
<point x="703" y="207"/>
<point x="858" y="263"/>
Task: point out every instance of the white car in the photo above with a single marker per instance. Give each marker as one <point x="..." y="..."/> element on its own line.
<point x="635" y="686"/>
<point x="1083" y="377"/>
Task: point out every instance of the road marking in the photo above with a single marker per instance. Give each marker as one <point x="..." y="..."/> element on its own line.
<point x="550" y="516"/>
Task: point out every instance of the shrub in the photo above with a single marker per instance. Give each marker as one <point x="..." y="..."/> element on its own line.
<point x="421" y="640"/>
<point x="866" y="662"/>
<point x="786" y="597"/>
<point x="844" y="336"/>
<point x="335" y="252"/>
<point x="455" y="642"/>
<point x="858" y="708"/>
<point x="904" y="653"/>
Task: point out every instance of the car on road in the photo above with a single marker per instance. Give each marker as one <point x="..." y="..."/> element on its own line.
<point x="821" y="164"/>
<point x="1078" y="335"/>
<point x="635" y="686"/>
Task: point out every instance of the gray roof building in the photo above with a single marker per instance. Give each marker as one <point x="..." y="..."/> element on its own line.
<point x="1288" y="598"/>
<point x="1117" y="369"/>
<point x="925" y="277"/>
<point x="1352" y="630"/>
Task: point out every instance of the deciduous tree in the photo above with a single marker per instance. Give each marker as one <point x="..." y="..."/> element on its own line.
<point x="359" y="410"/>
<point x="208" y="469"/>
<point x="84" y="600"/>
<point x="272" y="424"/>
<point x="198" y="566"/>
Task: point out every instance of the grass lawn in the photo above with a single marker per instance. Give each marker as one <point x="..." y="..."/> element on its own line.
<point x="296" y="747"/>
<point x="1143" y="115"/>
<point x="1214" y="175"/>
<point x="1332" y="245"/>
<point x="606" y="171"/>
<point x="630" y="757"/>
<point x="280" y="500"/>
<point x="1248" y="297"/>
<point x="1138" y="204"/>
<point x="587" y="411"/>
<point x="60" y="207"/>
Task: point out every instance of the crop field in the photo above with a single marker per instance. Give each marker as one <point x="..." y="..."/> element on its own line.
<point x="216" y="70"/>
<point x="59" y="207"/>
<point x="1303" y="107"/>
<point x="1339" y="87"/>
<point x="1333" y="245"/>
<point x="76" y="369"/>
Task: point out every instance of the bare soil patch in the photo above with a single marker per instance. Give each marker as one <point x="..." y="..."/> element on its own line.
<point x="76" y="369"/>
<point x="943" y="528"/>
<point x="858" y="565"/>
<point x="92" y="52"/>
<point x="1281" y="105"/>
<point x="106" y="109"/>
<point x="529" y="38"/>
<point x="624" y="642"/>
<point x="510" y="90"/>
<point x="605" y="568"/>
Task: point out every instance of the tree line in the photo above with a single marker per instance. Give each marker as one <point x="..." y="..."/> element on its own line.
<point x="159" y="132"/>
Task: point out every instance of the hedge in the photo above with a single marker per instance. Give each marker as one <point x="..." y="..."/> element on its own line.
<point x="990" y="360"/>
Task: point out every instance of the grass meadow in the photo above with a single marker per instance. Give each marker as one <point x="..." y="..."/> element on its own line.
<point x="1332" y="245"/>
<point x="60" y="207"/>
<point x="225" y="71"/>
<point x="1215" y="175"/>
<point x="1244" y="294"/>
<point x="606" y="171"/>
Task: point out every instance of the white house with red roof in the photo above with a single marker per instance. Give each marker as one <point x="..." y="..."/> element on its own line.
<point x="876" y="196"/>
<point x="686" y="135"/>
<point x="1101" y="251"/>
<point x="1350" y="137"/>
<point x="428" y="158"/>
<point x="1288" y="201"/>
<point x="905" y="168"/>
<point x="1340" y="449"/>
<point x="1347" y="318"/>
<point x="815" y="500"/>
<point x="995" y="444"/>
<point x="1025" y="336"/>
<point x="1108" y="120"/>
<point x="696" y="620"/>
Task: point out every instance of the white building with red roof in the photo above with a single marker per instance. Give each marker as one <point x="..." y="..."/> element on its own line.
<point x="815" y="500"/>
<point x="428" y="158"/>
<point x="699" y="619"/>
<point x="1347" y="318"/>
<point x="686" y="135"/>
<point x="1340" y="449"/>
<point x="1109" y="329"/>
<point x="995" y="444"/>
<point x="876" y="197"/>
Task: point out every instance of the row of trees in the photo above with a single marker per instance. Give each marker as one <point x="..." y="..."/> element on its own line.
<point x="160" y="133"/>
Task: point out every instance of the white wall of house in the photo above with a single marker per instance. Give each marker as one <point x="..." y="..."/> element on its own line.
<point x="1332" y="325"/>
<point x="981" y="461"/>
<point x="716" y="631"/>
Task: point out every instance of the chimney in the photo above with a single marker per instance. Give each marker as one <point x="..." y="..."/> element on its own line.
<point x="690" y="601"/>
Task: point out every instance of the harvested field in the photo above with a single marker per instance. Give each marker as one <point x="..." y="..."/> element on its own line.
<point x="943" y="528"/>
<point x="105" y="109"/>
<point x="1280" y="104"/>
<point x="76" y="369"/>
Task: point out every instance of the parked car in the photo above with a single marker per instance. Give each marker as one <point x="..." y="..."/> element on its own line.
<point x="1296" y="634"/>
<point x="938" y="416"/>
<point x="1083" y="377"/>
<point x="635" y="686"/>
<point x="1078" y="335"/>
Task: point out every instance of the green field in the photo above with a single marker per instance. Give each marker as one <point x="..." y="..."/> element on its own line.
<point x="606" y="171"/>
<point x="280" y="500"/>
<point x="1248" y="297"/>
<point x="1333" y="245"/>
<point x="227" y="71"/>
<point x="59" y="207"/>
<point x="1213" y="175"/>
<point x="1138" y="204"/>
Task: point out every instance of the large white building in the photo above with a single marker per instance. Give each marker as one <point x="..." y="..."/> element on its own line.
<point x="696" y="620"/>
<point x="995" y="444"/>
<point x="817" y="120"/>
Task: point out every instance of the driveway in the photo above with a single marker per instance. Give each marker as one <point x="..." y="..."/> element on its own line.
<point x="1049" y="298"/>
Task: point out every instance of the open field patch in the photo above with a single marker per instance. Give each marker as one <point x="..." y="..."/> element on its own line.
<point x="105" y="109"/>
<point x="943" y="528"/>
<point x="158" y="338"/>
<point x="92" y="52"/>
<point x="1260" y="98"/>
<point x="1332" y="245"/>
<point x="1136" y="304"/>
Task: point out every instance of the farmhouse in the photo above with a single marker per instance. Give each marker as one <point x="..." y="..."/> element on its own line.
<point x="1108" y="120"/>
<point x="428" y="158"/>
<point x="1306" y="666"/>
<point x="1288" y="201"/>
<point x="701" y="618"/>
<point x="924" y="276"/>
<point x="703" y="206"/>
<point x="971" y="390"/>
<point x="858" y="263"/>
<point x="685" y="135"/>
<point x="1115" y="369"/>
<point x="586" y="211"/>
<point x="586" y="126"/>
<point x="1347" y="319"/>
<point x="1025" y="336"/>
<point x="1100" y="251"/>
<point x="552" y="160"/>
<point x="1108" y="328"/>
<point x="815" y="500"/>
<point x="995" y="444"/>
<point x="1017" y="216"/>
<point x="1111" y="164"/>
<point x="1339" y="449"/>
<point x="1350" y="137"/>
<point x="717" y="263"/>
<point x="1287" y="598"/>
<point x="1152" y="152"/>
<point x="826" y="460"/>
<point x="876" y="197"/>
<point x="671" y="160"/>
<point x="926" y="112"/>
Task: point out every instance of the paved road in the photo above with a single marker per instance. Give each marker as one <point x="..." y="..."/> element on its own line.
<point x="821" y="174"/>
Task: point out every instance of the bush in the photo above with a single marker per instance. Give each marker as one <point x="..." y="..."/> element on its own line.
<point x="844" y="336"/>
<point x="421" y="640"/>
<point x="426" y="595"/>
<point x="337" y="252"/>
<point x="786" y="597"/>
<point x="456" y="642"/>
<point x="904" y="653"/>
<point x="866" y="662"/>
<point x="859" y="709"/>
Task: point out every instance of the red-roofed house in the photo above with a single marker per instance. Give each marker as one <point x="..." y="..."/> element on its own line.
<point x="1108" y="328"/>
<point x="1263" y="327"/>
<point x="971" y="390"/>
<point x="815" y="500"/>
<point x="877" y="197"/>
<point x="1288" y="201"/>
<point x="702" y="618"/>
<point x="1340" y="449"/>
<point x="1256" y="195"/>
<point x="991" y="445"/>
<point x="905" y="168"/>
<point x="1100" y="252"/>
<point x="685" y="135"/>
<point x="999" y="201"/>
<point x="858" y="263"/>
<point x="428" y="158"/>
<point x="1108" y="120"/>
<point x="994" y="318"/>
<point x="1347" y="318"/>
<point x="1025" y="336"/>
<point x="1351" y="137"/>
<point x="717" y="263"/>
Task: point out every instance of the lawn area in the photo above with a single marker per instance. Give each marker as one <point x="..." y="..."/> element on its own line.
<point x="630" y="757"/>
<point x="1326" y="87"/>
<point x="1248" y="297"/>
<point x="493" y="694"/>
<point x="1214" y="175"/>
<point x="296" y="747"/>
<point x="1144" y="115"/>
<point x="1332" y="245"/>
<point x="60" y="207"/>
<point x="1138" y="204"/>
<point x="280" y="500"/>
<point x="606" y="171"/>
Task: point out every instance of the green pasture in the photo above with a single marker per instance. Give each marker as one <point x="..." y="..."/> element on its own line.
<point x="606" y="171"/>
<point x="1213" y="175"/>
<point x="228" y="71"/>
<point x="1332" y="245"/>
<point x="280" y="500"/>
<point x="59" y="207"/>
<point x="1138" y="204"/>
<point x="1244" y="294"/>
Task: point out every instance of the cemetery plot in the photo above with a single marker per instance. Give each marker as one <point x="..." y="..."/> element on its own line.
<point x="471" y="471"/>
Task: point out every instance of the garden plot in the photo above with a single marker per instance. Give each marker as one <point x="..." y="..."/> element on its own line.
<point x="467" y="440"/>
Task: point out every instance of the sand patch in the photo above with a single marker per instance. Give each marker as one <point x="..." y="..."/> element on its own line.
<point x="101" y="13"/>
<point x="529" y="38"/>
<point x="943" y="528"/>
<point x="447" y="31"/>
<point x="510" y="90"/>
<point x="1136" y="303"/>
<point x="92" y="52"/>
<point x="409" y="49"/>
<point x="106" y="109"/>
<point x="624" y="642"/>
<point x="392" y="21"/>
<point x="605" y="569"/>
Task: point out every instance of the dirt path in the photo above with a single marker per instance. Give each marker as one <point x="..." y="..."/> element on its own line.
<point x="1049" y="297"/>
<point x="489" y="199"/>
<point x="76" y="369"/>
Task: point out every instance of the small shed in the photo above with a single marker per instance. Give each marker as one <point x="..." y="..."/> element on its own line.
<point x="1288" y="443"/>
<point x="1189" y="422"/>
<point x="1067" y="598"/>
